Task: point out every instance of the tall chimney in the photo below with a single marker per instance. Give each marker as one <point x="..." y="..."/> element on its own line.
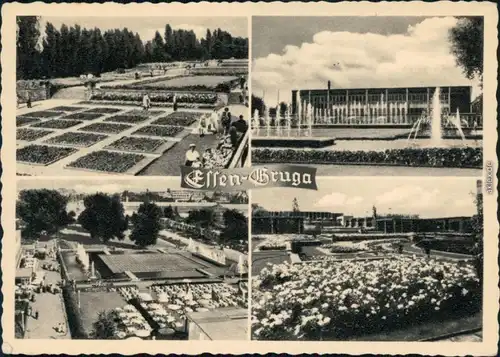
<point x="329" y="85"/>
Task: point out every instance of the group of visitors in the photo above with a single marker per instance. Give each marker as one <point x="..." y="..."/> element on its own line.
<point x="228" y="130"/>
<point x="146" y="102"/>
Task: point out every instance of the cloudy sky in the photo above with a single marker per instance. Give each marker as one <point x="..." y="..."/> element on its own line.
<point x="147" y="26"/>
<point x="353" y="52"/>
<point x="92" y="186"/>
<point x="356" y="196"/>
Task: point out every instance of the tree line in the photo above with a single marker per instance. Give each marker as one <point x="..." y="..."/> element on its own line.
<point x="73" y="50"/>
<point x="105" y="219"/>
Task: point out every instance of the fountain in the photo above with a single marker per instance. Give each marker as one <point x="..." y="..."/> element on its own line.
<point x="288" y="121"/>
<point x="436" y="131"/>
<point x="268" y="123"/>
<point x="309" y="118"/>
<point x="277" y="121"/>
<point x="82" y="257"/>
<point x="256" y="120"/>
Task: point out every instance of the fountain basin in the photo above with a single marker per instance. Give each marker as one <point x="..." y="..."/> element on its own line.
<point x="293" y="142"/>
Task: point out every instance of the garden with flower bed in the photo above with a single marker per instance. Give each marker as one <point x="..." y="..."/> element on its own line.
<point x="42" y="114"/>
<point x="106" y="128"/>
<point x="107" y="161"/>
<point x="143" y="145"/>
<point x="163" y="131"/>
<point x="42" y="154"/>
<point x="83" y="116"/>
<point x="466" y="157"/>
<point x="346" y="299"/>
<point x="21" y="121"/>
<point x="65" y="108"/>
<point x="57" y="124"/>
<point x="76" y="139"/>
<point x="31" y="134"/>
<point x="179" y="119"/>
<point x="103" y="110"/>
<point x="130" y="97"/>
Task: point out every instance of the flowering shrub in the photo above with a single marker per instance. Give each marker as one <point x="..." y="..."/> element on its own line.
<point x="433" y="157"/>
<point x="346" y="247"/>
<point x="335" y="300"/>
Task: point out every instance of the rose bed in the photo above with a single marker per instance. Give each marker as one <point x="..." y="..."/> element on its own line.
<point x="42" y="154"/>
<point x="163" y="131"/>
<point x="136" y="144"/>
<point x="433" y="157"/>
<point x="57" y="124"/>
<point x="83" y="116"/>
<point x="31" y="134"/>
<point x="107" y="161"/>
<point x="77" y="139"/>
<point x="337" y="300"/>
<point x="106" y="128"/>
<point x="42" y="114"/>
<point x="179" y="119"/>
<point x="21" y="121"/>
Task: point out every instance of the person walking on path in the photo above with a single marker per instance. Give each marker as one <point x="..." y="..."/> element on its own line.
<point x="226" y="120"/>
<point x="202" y="126"/>
<point x="175" y="102"/>
<point x="146" y="102"/>
<point x="28" y="102"/>
<point x="242" y="82"/>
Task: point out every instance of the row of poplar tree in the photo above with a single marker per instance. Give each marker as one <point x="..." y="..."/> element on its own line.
<point x="73" y="50"/>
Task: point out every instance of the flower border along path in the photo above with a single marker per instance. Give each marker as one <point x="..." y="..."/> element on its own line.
<point x="428" y="157"/>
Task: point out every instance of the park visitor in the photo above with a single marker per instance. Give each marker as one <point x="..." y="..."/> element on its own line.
<point x="202" y="126"/>
<point x="226" y="120"/>
<point x="191" y="155"/>
<point x="240" y="125"/>
<point x="146" y="102"/>
<point x="175" y="102"/>
<point x="214" y="121"/>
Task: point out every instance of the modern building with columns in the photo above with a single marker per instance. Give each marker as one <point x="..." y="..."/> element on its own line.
<point x="398" y="105"/>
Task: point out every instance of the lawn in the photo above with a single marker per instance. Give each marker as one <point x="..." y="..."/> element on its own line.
<point x="106" y="128"/>
<point x="164" y="131"/>
<point x="77" y="139"/>
<point x="91" y="303"/>
<point x="21" y="121"/>
<point x="83" y="116"/>
<point x="57" y="124"/>
<point x="136" y="144"/>
<point x="42" y="154"/>
<point x="107" y="161"/>
<point x="42" y="114"/>
<point x="31" y="134"/>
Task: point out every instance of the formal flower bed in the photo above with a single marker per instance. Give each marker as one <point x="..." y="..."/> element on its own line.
<point x="31" y="134"/>
<point x="136" y="144"/>
<point x="433" y="157"/>
<point x="77" y="139"/>
<point x="179" y="119"/>
<point x="219" y="71"/>
<point x="163" y="97"/>
<point x="124" y="118"/>
<point x="42" y="154"/>
<point x="64" y="108"/>
<point x="42" y="114"/>
<point x="83" y="116"/>
<point x="337" y="300"/>
<point x="106" y="128"/>
<point x="182" y="83"/>
<point x="107" y="161"/>
<point x="21" y="121"/>
<point x="103" y="110"/>
<point x="218" y="158"/>
<point x="57" y="124"/>
<point x="144" y="113"/>
<point x="346" y="247"/>
<point x="152" y="130"/>
<point x="125" y="103"/>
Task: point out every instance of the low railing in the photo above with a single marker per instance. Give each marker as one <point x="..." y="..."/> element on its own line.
<point x="240" y="156"/>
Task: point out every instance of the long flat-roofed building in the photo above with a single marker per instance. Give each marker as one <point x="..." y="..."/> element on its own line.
<point x="399" y="105"/>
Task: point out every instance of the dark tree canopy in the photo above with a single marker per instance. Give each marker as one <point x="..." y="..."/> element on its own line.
<point x="103" y="217"/>
<point x="204" y="217"/>
<point x="235" y="226"/>
<point x="147" y="224"/>
<point x="258" y="103"/>
<point x="467" y="40"/>
<point x="105" y="327"/>
<point x="42" y="211"/>
<point x="73" y="50"/>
